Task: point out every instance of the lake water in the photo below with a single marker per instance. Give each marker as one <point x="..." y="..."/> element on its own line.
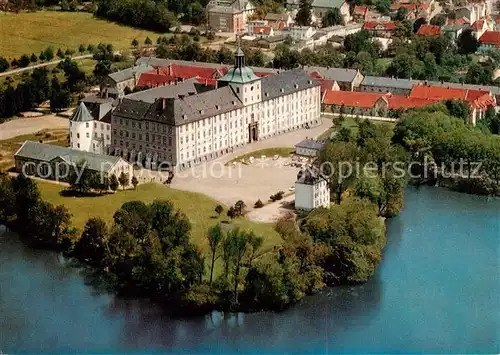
<point x="437" y="290"/>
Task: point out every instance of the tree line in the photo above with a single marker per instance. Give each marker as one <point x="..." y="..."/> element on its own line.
<point x="451" y="153"/>
<point x="184" y="48"/>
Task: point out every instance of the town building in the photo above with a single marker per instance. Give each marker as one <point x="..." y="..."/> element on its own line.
<point x="429" y="30"/>
<point x="359" y="13"/>
<point x="184" y="130"/>
<point x="380" y="29"/>
<point x="453" y="30"/>
<point x="479" y="27"/>
<point x="321" y="7"/>
<point x="55" y="163"/>
<point x="347" y="79"/>
<point x="309" y="147"/>
<point x="90" y="125"/>
<point x="229" y="15"/>
<point x="279" y="21"/>
<point x="489" y="40"/>
<point x="115" y="84"/>
<point x="300" y="33"/>
<point x="311" y="190"/>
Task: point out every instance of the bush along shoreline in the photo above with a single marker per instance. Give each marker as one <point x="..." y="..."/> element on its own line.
<point x="146" y="251"/>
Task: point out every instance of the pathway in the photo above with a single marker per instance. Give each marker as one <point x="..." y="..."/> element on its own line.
<point x="31" y="67"/>
<point x="30" y="125"/>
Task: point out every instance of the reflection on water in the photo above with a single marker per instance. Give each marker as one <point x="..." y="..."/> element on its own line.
<point x="435" y="291"/>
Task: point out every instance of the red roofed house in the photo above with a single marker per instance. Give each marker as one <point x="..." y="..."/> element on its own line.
<point x="279" y="21"/>
<point x="262" y="31"/>
<point x="479" y="100"/>
<point x="179" y="72"/>
<point x="429" y="30"/>
<point x="352" y="102"/>
<point x="412" y="9"/>
<point x="380" y="29"/>
<point x="489" y="39"/>
<point x="479" y="27"/>
<point x="359" y="13"/>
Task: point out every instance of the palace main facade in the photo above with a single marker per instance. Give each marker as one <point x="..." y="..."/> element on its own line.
<point x="185" y="124"/>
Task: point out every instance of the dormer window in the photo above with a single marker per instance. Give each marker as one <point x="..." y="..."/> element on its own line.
<point x="282" y="90"/>
<point x="296" y="86"/>
<point x="184" y="117"/>
<point x="201" y="112"/>
<point x="216" y="107"/>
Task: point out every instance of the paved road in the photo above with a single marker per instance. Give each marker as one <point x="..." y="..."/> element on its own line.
<point x="22" y="126"/>
<point x="20" y="70"/>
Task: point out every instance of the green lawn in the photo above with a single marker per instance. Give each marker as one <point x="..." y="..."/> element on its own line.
<point x="198" y="207"/>
<point x="268" y="152"/>
<point x="30" y="32"/>
<point x="349" y="122"/>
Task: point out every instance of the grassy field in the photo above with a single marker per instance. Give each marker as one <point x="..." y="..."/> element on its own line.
<point x="27" y="33"/>
<point x="9" y="147"/>
<point x="198" y="207"/>
<point x="349" y="122"/>
<point x="268" y="152"/>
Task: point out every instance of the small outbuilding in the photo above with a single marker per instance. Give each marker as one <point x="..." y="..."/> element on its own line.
<point x="309" y="147"/>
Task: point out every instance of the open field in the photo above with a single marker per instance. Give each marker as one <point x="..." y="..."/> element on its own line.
<point x="9" y="146"/>
<point x="268" y="152"/>
<point x="198" y="207"/>
<point x="27" y="33"/>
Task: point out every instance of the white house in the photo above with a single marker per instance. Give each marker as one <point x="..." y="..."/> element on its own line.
<point x="90" y="125"/>
<point x="301" y="33"/>
<point x="184" y="130"/>
<point x="309" y="147"/>
<point x="311" y="190"/>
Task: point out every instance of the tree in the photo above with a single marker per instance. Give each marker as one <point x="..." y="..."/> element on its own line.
<point x="134" y="182"/>
<point x="303" y="16"/>
<point x="7" y="199"/>
<point x="383" y="6"/>
<point x="466" y="42"/>
<point x="81" y="48"/>
<point x="113" y="183"/>
<point x="401" y="14"/>
<point x="123" y="179"/>
<point x="438" y="20"/>
<point x="92" y="244"/>
<point x="477" y="74"/>
<point x="219" y="209"/>
<point x="337" y="161"/>
<point x="42" y="56"/>
<point x="239" y="208"/>
<point x="148" y="41"/>
<point x="332" y="18"/>
<point x="24" y="61"/>
<point x="239" y="242"/>
<point x="4" y="64"/>
<point x="60" y="53"/>
<point x="33" y="58"/>
<point x="214" y="237"/>
<point x="459" y="109"/>
<point x="49" y="53"/>
<point x="135" y="43"/>
<point x="90" y="48"/>
<point x="102" y="69"/>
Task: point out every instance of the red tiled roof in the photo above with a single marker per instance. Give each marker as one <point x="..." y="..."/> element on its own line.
<point x="360" y="10"/>
<point x="402" y="102"/>
<point x="315" y="75"/>
<point x="372" y="25"/>
<point x="458" y="21"/>
<point x="262" y="74"/>
<point x="351" y="98"/>
<point x="423" y="6"/>
<point x="207" y="82"/>
<point x="152" y="79"/>
<point x="262" y="29"/>
<point x="326" y="84"/>
<point x="410" y="7"/>
<point x="490" y="37"/>
<point x="476" y="26"/>
<point x="475" y="98"/>
<point x="429" y="30"/>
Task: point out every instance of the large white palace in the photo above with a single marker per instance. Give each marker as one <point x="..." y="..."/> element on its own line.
<point x="186" y="124"/>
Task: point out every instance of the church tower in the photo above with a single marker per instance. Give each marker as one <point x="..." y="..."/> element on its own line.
<point x="242" y="80"/>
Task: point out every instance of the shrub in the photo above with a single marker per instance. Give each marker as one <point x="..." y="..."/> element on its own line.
<point x="258" y="204"/>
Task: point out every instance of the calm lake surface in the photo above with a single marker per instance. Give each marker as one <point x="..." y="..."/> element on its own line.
<point x="437" y="290"/>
